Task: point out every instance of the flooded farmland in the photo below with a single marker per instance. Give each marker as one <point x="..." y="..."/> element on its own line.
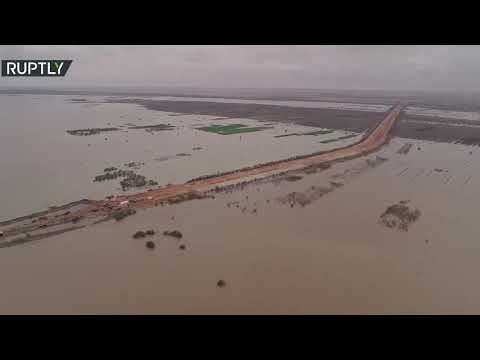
<point x="313" y="243"/>
<point x="39" y="153"/>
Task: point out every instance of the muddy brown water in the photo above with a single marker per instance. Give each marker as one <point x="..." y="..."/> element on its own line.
<point x="42" y="165"/>
<point x="330" y="256"/>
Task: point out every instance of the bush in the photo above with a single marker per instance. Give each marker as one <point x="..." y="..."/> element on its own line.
<point x="123" y="213"/>
<point x="175" y="233"/>
<point x="139" y="234"/>
<point x="150" y="245"/>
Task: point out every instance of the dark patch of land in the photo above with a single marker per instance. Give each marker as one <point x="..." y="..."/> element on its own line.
<point x="88" y="132"/>
<point x="405" y="149"/>
<point x="232" y="129"/>
<point x="475" y="141"/>
<point x="141" y="234"/>
<point x="151" y="128"/>
<point x="356" y="121"/>
<point x="314" y="133"/>
<point x="134" y="164"/>
<point x="338" y="139"/>
<point x="80" y="100"/>
<point x="438" y="129"/>
<point x="286" y="177"/>
<point x="95" y="131"/>
<point x="163" y="158"/>
<point x="292" y="178"/>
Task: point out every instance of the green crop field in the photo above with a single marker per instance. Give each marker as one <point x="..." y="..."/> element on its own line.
<point x="232" y="129"/>
<point x="338" y="139"/>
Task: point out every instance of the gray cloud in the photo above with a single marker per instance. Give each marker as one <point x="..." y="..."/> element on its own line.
<point x="348" y="67"/>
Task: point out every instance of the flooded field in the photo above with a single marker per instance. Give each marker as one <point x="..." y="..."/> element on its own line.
<point x="461" y="115"/>
<point x="438" y="129"/>
<point x="393" y="231"/>
<point x="48" y="166"/>
<point x="331" y="255"/>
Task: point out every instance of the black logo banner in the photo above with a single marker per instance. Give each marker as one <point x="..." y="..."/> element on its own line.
<point x="31" y="68"/>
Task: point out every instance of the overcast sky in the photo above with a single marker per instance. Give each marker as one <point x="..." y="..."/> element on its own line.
<point x="319" y="67"/>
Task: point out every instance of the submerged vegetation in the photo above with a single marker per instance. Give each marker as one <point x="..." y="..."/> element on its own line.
<point x="338" y="139"/>
<point x="92" y="131"/>
<point x="131" y="179"/>
<point x="152" y="128"/>
<point x="111" y="175"/>
<point x="141" y="234"/>
<point x="399" y="216"/>
<point x="232" y="129"/>
<point x="314" y="133"/>
<point x="95" y="131"/>
<point x="123" y="213"/>
<point x="175" y="233"/>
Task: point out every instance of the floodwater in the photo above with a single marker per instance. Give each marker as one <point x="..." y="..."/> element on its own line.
<point x="42" y="165"/>
<point x="331" y="256"/>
